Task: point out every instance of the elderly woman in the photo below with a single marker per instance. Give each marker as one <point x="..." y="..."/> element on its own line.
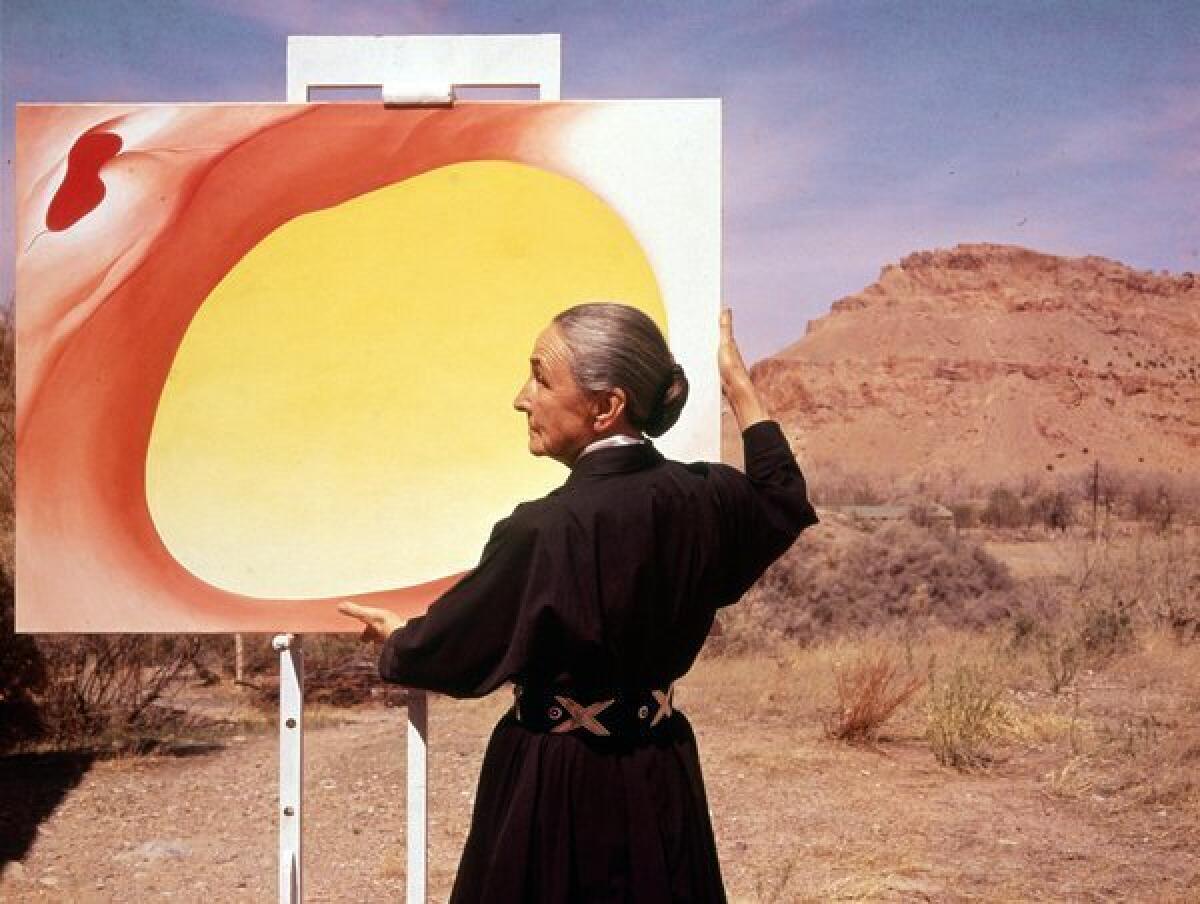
<point x="593" y="600"/>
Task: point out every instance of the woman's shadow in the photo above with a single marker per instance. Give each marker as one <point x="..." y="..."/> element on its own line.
<point x="32" y="785"/>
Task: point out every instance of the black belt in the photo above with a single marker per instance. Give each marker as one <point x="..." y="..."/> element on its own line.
<point x="557" y="712"/>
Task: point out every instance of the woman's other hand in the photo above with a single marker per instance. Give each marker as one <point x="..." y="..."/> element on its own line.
<point x="380" y="623"/>
<point x="735" y="377"/>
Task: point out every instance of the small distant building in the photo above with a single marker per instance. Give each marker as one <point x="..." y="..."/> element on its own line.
<point x="932" y="514"/>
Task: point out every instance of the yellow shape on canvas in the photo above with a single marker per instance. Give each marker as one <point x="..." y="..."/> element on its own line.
<point x="338" y="418"/>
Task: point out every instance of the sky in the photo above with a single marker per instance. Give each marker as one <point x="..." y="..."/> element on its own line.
<point x="855" y="132"/>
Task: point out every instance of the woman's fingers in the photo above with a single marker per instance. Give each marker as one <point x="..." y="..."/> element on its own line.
<point x="729" y="357"/>
<point x="363" y="613"/>
<point x="380" y="623"/>
<point x="375" y="620"/>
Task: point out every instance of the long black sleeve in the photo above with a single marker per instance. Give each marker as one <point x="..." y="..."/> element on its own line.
<point x="600" y="579"/>
<point x="764" y="510"/>
<point x="472" y="638"/>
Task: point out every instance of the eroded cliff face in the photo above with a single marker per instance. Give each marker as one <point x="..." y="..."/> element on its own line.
<point x="988" y="363"/>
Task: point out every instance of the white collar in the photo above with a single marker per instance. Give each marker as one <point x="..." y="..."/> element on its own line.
<point x="617" y="439"/>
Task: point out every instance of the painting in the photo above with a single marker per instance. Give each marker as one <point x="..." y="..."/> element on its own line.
<point x="267" y="353"/>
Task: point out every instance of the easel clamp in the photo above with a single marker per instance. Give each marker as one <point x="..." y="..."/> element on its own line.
<point x="418" y="95"/>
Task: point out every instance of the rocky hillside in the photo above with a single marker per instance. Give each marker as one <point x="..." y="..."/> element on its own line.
<point x="988" y="363"/>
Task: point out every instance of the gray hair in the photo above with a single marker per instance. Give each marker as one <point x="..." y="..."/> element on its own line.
<point x="617" y="346"/>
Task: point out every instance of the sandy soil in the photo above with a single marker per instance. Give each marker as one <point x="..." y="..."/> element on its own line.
<point x="798" y="817"/>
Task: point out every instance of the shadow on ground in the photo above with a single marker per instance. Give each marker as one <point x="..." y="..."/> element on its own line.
<point x="32" y="785"/>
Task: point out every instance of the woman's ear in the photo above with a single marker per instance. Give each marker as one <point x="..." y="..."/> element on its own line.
<point x="608" y="407"/>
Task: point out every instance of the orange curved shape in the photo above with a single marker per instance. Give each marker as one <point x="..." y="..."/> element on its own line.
<point x="191" y="191"/>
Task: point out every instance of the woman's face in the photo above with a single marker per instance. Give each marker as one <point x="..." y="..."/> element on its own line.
<point x="561" y="415"/>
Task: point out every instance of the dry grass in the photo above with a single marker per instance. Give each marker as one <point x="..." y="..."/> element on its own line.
<point x="797" y="817"/>
<point x="1141" y="744"/>
<point x="965" y="714"/>
<point x="394" y="864"/>
<point x="869" y="692"/>
<point x="1119" y="746"/>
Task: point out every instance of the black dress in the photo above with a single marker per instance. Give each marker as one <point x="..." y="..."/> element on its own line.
<point x="608" y="584"/>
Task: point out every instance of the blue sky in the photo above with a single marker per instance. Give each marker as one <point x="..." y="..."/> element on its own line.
<point x="855" y="132"/>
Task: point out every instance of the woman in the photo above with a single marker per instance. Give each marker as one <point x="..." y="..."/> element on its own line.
<point x="593" y="600"/>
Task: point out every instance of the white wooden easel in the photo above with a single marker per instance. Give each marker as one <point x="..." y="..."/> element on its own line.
<point x="410" y="70"/>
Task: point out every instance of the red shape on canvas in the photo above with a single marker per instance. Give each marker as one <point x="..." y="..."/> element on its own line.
<point x="82" y="190"/>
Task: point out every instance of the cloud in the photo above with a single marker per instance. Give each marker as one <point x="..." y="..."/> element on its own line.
<point x="784" y="274"/>
<point x="341" y="18"/>
<point x="777" y="138"/>
<point x="46" y="80"/>
<point x="1164" y="130"/>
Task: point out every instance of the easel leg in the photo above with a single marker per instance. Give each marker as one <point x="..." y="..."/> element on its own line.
<point x="418" y="736"/>
<point x="291" y="766"/>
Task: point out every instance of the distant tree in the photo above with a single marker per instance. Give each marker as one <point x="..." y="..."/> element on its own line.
<point x="965" y="514"/>
<point x="1053" y="510"/>
<point x="1003" y="509"/>
<point x="1154" y="503"/>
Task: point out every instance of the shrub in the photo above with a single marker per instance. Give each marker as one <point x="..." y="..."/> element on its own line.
<point x="1106" y="629"/>
<point x="964" y="714"/>
<point x="926" y="514"/>
<point x="1003" y="509"/>
<point x="1024" y="629"/>
<point x="1159" y="498"/>
<point x="102" y="687"/>
<point x="1060" y="656"/>
<point x="22" y="673"/>
<point x="835" y="485"/>
<point x="868" y="694"/>
<point x="1154" y="503"/>
<point x="837" y="580"/>
<point x="1052" y="510"/>
<point x="965" y="515"/>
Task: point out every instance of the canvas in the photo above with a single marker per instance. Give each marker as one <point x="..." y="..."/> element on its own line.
<point x="267" y="353"/>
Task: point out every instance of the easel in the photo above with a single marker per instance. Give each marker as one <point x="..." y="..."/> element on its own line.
<point x="413" y="70"/>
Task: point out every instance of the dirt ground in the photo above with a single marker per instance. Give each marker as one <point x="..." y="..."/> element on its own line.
<point x="1088" y="792"/>
<point x="798" y="817"/>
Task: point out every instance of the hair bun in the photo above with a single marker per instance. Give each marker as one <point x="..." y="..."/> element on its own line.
<point x="616" y="345"/>
<point x="670" y="403"/>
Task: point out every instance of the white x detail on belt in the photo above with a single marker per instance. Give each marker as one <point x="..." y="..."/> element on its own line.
<point x="664" y="699"/>
<point x="580" y="716"/>
<point x="586" y="715"/>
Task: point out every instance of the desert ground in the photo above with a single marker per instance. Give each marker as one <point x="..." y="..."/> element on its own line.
<point x="1080" y="782"/>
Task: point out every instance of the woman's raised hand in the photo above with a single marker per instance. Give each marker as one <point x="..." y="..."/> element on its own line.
<point x="735" y="378"/>
<point x="734" y="374"/>
<point x="380" y="623"/>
